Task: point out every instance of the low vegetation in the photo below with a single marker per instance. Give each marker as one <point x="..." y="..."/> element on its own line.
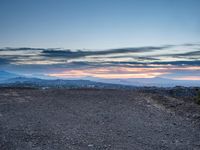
<point x="198" y="97"/>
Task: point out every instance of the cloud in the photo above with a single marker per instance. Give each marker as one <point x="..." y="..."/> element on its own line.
<point x="54" y="56"/>
<point x="179" y="63"/>
<point x="191" y="44"/>
<point x="54" y="59"/>
<point x="81" y="53"/>
<point x="147" y="58"/>
<point x="21" y="49"/>
<point x="193" y="53"/>
<point x="5" y="61"/>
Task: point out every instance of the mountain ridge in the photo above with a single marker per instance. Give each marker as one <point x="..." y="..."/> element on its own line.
<point x="13" y="78"/>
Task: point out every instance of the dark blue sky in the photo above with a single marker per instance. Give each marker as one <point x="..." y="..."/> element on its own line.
<point x="98" y="24"/>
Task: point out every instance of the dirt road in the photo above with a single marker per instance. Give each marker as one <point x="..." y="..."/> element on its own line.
<point x="90" y="120"/>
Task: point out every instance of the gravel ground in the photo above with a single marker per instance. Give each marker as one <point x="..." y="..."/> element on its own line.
<point x="89" y="119"/>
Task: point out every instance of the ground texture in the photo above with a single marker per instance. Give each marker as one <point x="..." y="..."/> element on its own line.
<point x="89" y="119"/>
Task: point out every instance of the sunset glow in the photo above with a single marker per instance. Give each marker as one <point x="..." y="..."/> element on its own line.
<point x="123" y="72"/>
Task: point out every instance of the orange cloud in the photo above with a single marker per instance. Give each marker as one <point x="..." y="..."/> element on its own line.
<point x="124" y="72"/>
<point x="111" y="72"/>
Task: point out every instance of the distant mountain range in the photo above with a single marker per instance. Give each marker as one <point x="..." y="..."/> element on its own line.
<point x="7" y="75"/>
<point x="159" y="82"/>
<point x="12" y="79"/>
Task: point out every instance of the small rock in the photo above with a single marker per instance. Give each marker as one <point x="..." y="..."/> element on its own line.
<point x="196" y="116"/>
<point x="90" y="145"/>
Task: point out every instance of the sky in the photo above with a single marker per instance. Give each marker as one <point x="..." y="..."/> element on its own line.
<point x="101" y="38"/>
